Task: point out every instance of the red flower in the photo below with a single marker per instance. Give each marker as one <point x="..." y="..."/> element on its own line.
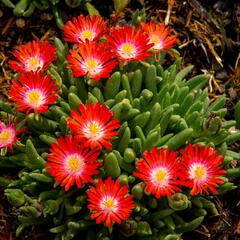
<point x="91" y="59"/>
<point x="81" y="29"/>
<point x="34" y="92"/>
<point x="33" y="56"/>
<point x="71" y="163"/>
<point x="202" y="169"/>
<point x="8" y="133"/>
<point x="109" y="202"/>
<point x="129" y="43"/>
<point x="159" y="169"/>
<point x="94" y="126"/>
<point x="158" y="34"/>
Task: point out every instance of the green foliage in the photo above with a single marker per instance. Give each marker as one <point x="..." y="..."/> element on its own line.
<point x="25" y="8"/>
<point x="157" y="106"/>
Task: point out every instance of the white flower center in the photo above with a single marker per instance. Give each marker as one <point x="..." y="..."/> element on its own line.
<point x="92" y="66"/>
<point x="7" y="136"/>
<point x="127" y="50"/>
<point x="156" y="40"/>
<point x="35" y="98"/>
<point x="87" y="34"/>
<point x="160" y="176"/>
<point x="74" y="164"/>
<point x="109" y="204"/>
<point x="34" y="63"/>
<point x="198" y="172"/>
<point x="93" y="130"/>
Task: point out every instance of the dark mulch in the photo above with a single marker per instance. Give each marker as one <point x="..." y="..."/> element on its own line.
<point x="209" y="38"/>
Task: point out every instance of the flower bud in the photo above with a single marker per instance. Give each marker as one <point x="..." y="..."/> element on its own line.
<point x="178" y="201"/>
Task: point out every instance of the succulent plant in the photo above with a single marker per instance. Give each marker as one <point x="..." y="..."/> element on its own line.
<point x="157" y="105"/>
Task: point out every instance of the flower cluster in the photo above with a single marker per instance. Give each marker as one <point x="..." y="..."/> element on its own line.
<point x="164" y="172"/>
<point x="78" y="158"/>
<point x="99" y="46"/>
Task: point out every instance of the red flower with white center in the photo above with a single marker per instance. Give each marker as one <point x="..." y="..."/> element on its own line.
<point x="8" y="133"/>
<point x="109" y="202"/>
<point x="202" y="169"/>
<point x="158" y="34"/>
<point x="92" y="59"/>
<point x="70" y="162"/>
<point x="34" y="92"/>
<point x="33" y="56"/>
<point x="129" y="43"/>
<point x="94" y="126"/>
<point x="81" y="29"/>
<point x="160" y="170"/>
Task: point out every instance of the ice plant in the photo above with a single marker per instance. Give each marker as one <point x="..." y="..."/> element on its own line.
<point x="109" y="202"/>
<point x="81" y="29"/>
<point x="94" y="126"/>
<point x="70" y="162"/>
<point x="33" y="56"/>
<point x="202" y="169"/>
<point x="91" y="59"/>
<point x="160" y="170"/>
<point x="159" y="35"/>
<point x="34" y="92"/>
<point x="129" y="43"/>
<point x="9" y="133"/>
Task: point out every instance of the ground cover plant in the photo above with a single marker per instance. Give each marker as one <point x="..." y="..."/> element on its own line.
<point x="110" y="139"/>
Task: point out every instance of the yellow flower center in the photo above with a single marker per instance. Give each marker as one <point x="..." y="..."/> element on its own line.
<point x="92" y="64"/>
<point x="34" y="63"/>
<point x="93" y="130"/>
<point x="87" y="35"/>
<point x="155" y="39"/>
<point x="198" y="172"/>
<point x="74" y="164"/>
<point x="127" y="50"/>
<point x="109" y="204"/>
<point x="35" y="98"/>
<point x="160" y="176"/>
<point x="6" y="136"/>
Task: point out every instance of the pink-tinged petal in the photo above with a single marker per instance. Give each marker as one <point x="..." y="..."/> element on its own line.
<point x="159" y="169"/>
<point x="91" y="59"/>
<point x="159" y="36"/>
<point x="91" y="125"/>
<point x="9" y="133"/>
<point x="34" y="56"/>
<point x="107" y="205"/>
<point x="34" y="92"/>
<point x="82" y="29"/>
<point x="202" y="168"/>
<point x="70" y="163"/>
<point x="129" y="43"/>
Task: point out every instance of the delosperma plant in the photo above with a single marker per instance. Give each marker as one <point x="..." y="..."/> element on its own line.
<point x="108" y="140"/>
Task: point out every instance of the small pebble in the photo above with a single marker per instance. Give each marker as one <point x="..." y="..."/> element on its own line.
<point x="46" y="16"/>
<point x="20" y="23"/>
<point x="222" y="75"/>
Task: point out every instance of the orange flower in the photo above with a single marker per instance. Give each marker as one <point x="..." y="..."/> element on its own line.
<point x="8" y="133"/>
<point x="33" y="56"/>
<point x="91" y="59"/>
<point x="34" y="92"/>
<point x="202" y="169"/>
<point x="129" y="43"/>
<point x="81" y="29"/>
<point x="158" y="35"/>
<point x="94" y="126"/>
<point x="109" y="202"/>
<point x="70" y="163"/>
<point x="159" y="169"/>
